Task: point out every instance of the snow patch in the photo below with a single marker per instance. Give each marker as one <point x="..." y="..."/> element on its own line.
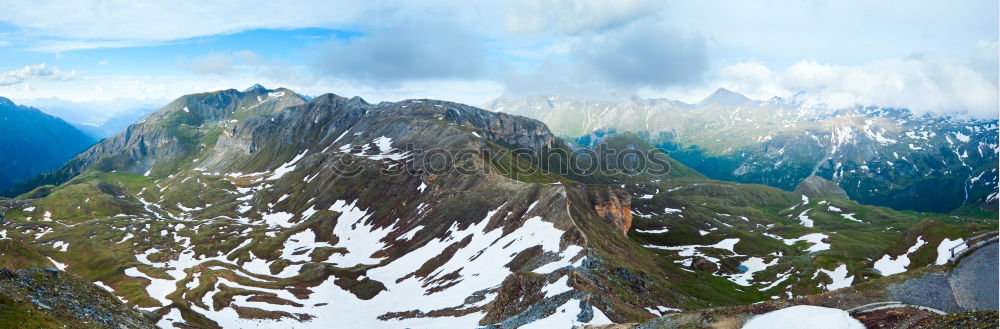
<point x="839" y="277"/>
<point x="656" y="231"/>
<point x="804" y="316"/>
<point x="753" y="265"/>
<point x="816" y="239"/>
<point x="944" y="250"/>
<point x="889" y="265"/>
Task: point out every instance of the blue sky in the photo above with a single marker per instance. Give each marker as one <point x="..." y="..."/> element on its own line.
<point x="931" y="56"/>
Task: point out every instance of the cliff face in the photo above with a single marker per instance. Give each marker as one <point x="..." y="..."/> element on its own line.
<point x="614" y="206"/>
<point x="505" y="128"/>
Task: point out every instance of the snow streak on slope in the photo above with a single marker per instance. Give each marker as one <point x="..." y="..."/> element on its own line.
<point x="461" y="284"/>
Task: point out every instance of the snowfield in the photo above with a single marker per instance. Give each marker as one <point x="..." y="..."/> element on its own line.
<point x="804" y="317"/>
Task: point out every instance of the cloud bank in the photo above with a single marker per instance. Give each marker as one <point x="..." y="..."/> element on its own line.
<point x="407" y="51"/>
<point x="645" y="54"/>
<point x="840" y="53"/>
<point x="923" y="83"/>
<point x="575" y="16"/>
<point x="101" y="24"/>
<point x="34" y="72"/>
<point x="221" y="63"/>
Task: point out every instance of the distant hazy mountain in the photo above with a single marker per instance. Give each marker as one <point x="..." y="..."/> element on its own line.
<point x="32" y="142"/>
<point x="879" y="156"/>
<point x="116" y="123"/>
<point x="98" y="119"/>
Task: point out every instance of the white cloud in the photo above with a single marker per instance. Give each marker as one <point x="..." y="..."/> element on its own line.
<point x="781" y="32"/>
<point x="120" y="23"/>
<point x="575" y="16"/>
<point x="548" y="46"/>
<point x="34" y="72"/>
<point x="751" y="72"/>
<point x="922" y="83"/>
<point x="405" y="51"/>
<point x="57" y="26"/>
<point x="221" y="63"/>
<point x="645" y="53"/>
<point x="622" y="60"/>
<point x="56" y="46"/>
<point x="751" y="78"/>
<point x="91" y="88"/>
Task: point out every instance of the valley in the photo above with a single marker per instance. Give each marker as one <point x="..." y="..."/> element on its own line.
<point x="879" y="156"/>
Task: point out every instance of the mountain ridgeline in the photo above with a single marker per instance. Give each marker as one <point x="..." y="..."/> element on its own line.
<point x="249" y="208"/>
<point x="879" y="156"/>
<point x="167" y="135"/>
<point x="32" y="143"/>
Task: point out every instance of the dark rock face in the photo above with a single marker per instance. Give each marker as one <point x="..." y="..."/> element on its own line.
<point x="503" y="128"/>
<point x="818" y="187"/>
<point x="515" y="295"/>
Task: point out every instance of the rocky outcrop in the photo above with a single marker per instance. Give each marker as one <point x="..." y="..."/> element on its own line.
<point x="52" y="299"/>
<point x="818" y="187"/>
<point x="508" y="129"/>
<point x="614" y="206"/>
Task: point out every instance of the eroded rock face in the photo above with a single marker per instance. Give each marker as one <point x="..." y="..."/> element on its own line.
<point x="614" y="206"/>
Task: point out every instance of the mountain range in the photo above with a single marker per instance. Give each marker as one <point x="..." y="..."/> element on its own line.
<point x="879" y="156"/>
<point x="99" y="118"/>
<point x="32" y="142"/>
<point x="262" y="207"/>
